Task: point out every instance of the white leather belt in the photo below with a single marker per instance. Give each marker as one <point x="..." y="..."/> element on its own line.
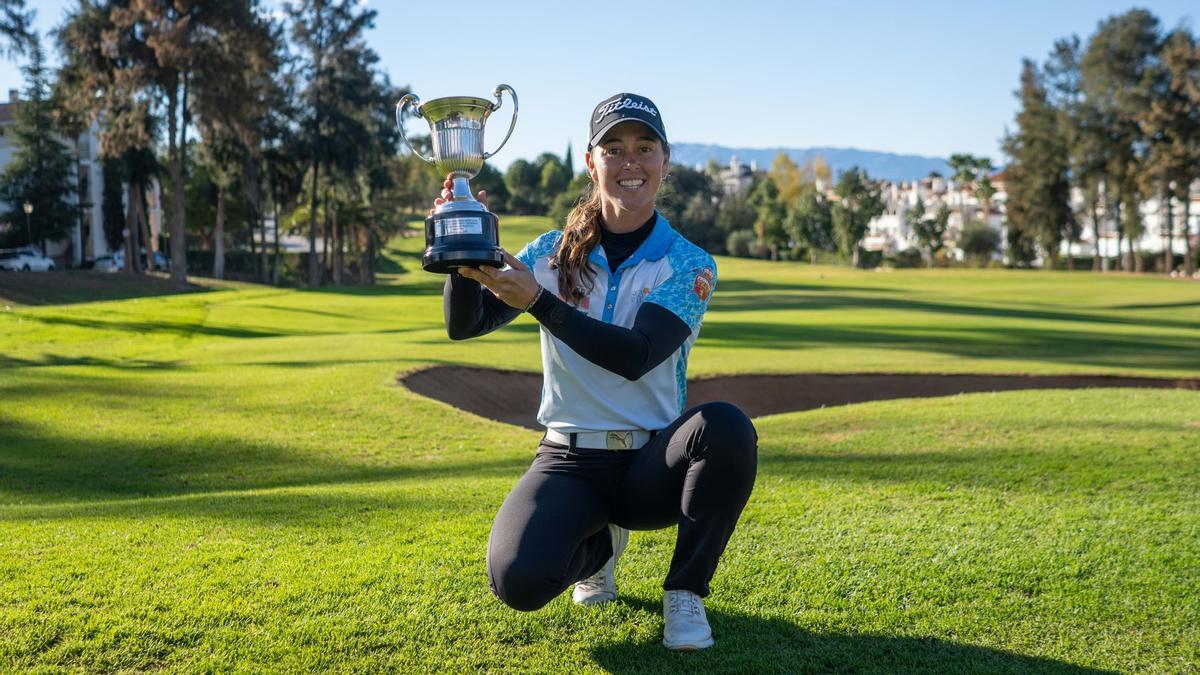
<point x="631" y="439"/>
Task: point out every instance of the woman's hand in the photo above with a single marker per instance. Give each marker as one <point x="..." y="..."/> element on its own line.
<point x="448" y="194"/>
<point x="515" y="284"/>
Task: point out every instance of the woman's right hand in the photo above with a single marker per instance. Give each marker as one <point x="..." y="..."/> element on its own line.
<point x="448" y="193"/>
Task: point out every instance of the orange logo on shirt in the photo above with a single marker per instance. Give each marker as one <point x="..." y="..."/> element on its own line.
<point x="703" y="284"/>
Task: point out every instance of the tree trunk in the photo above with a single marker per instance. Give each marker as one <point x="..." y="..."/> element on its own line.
<point x="1096" y="230"/>
<point x="219" y="236"/>
<point x="176" y="224"/>
<point x="147" y="238"/>
<point x="370" y="259"/>
<point x="357" y="252"/>
<point x="1189" y="255"/>
<point x="1135" y="260"/>
<point x="1168" y="254"/>
<point x="325" y="240"/>
<point x="314" y="279"/>
<point x="133" y="264"/>
<point x="253" y="246"/>
<point x="275" y="269"/>
<point x="336" y="236"/>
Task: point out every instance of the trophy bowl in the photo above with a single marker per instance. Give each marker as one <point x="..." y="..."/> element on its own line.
<point x="461" y="232"/>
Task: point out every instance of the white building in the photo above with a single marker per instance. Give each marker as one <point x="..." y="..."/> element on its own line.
<point x="890" y="231"/>
<point x="737" y="177"/>
<point x="86" y="240"/>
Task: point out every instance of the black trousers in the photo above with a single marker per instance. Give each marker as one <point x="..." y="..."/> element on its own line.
<point x="551" y="530"/>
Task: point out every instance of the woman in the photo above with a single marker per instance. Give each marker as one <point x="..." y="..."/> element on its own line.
<point x="619" y="295"/>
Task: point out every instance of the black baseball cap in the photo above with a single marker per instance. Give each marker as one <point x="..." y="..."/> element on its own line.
<point x="624" y="108"/>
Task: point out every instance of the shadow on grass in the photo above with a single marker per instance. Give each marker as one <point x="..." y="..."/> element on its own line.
<point x="53" y="360"/>
<point x="750" y="644"/>
<point x="751" y="286"/>
<point x="423" y="288"/>
<point x="36" y="464"/>
<point x="76" y="286"/>
<point x="787" y="298"/>
<point x="1124" y="349"/>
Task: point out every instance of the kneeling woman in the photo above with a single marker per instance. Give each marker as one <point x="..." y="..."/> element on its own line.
<point x="619" y="295"/>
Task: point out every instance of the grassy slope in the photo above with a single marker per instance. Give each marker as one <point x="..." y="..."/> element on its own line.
<point x="231" y="479"/>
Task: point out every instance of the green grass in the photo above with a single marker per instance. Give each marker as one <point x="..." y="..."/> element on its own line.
<point x="232" y="480"/>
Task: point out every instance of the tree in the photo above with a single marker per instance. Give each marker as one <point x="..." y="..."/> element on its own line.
<point x="735" y="214"/>
<point x="1083" y="131"/>
<point x="688" y="200"/>
<point x="523" y="180"/>
<point x="979" y="241"/>
<point x="859" y="201"/>
<point x="1171" y="124"/>
<point x="1113" y="76"/>
<point x="1181" y="63"/>
<point x="40" y="171"/>
<point x="14" y="26"/>
<point x="810" y="223"/>
<point x="771" y="211"/>
<point x="1039" y="206"/>
<point x="331" y="35"/>
<point x="930" y="232"/>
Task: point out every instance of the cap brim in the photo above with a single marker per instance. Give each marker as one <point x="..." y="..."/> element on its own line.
<point x="608" y="127"/>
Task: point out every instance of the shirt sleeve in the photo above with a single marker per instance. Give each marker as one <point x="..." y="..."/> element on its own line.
<point x="471" y="310"/>
<point x="691" y="284"/>
<point x="628" y="352"/>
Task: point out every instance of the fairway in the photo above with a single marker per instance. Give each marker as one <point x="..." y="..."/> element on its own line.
<point x="232" y="479"/>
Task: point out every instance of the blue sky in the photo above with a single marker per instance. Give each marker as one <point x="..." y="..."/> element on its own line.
<point x="928" y="78"/>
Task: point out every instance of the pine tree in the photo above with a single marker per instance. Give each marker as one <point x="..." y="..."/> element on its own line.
<point x="337" y="62"/>
<point x="1039" y="205"/>
<point x="1113" y="76"/>
<point x="40" y="173"/>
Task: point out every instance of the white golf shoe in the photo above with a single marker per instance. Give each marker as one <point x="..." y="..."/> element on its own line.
<point x="601" y="587"/>
<point x="685" y="625"/>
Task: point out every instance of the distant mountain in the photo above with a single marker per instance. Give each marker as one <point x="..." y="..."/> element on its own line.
<point x="887" y="165"/>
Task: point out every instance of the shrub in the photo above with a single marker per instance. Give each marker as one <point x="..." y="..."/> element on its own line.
<point x="739" y="243"/>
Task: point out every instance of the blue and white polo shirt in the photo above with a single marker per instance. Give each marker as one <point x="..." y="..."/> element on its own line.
<point x="579" y="396"/>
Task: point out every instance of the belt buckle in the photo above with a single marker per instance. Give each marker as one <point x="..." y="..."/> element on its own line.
<point x="619" y="440"/>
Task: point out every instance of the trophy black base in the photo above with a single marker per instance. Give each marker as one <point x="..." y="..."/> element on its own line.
<point x="461" y="238"/>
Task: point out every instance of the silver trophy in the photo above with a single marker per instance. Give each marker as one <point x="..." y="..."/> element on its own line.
<point x="461" y="232"/>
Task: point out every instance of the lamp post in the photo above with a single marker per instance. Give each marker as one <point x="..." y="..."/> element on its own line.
<point x="28" y="207"/>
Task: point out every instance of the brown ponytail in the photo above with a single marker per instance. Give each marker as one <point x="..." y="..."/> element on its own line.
<point x="581" y="234"/>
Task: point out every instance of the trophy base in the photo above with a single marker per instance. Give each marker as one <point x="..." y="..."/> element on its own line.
<point x="445" y="262"/>
<point x="461" y="238"/>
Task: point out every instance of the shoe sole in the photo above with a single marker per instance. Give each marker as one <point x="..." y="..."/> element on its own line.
<point x="689" y="647"/>
<point x="593" y="600"/>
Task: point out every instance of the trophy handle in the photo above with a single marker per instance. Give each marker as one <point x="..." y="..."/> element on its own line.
<point x="500" y="88"/>
<point x="400" y="105"/>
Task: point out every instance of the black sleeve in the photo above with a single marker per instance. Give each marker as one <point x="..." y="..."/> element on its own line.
<point x="471" y="310"/>
<point x="628" y="352"/>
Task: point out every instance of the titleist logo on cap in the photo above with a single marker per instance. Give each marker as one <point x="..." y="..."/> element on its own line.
<point x="622" y="104"/>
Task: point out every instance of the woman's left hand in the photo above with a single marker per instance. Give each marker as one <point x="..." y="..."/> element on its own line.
<point x="515" y="284"/>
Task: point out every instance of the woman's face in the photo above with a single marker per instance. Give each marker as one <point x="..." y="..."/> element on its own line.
<point x="627" y="166"/>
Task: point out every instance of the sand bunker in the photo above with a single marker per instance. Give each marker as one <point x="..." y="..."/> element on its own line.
<point x="513" y="397"/>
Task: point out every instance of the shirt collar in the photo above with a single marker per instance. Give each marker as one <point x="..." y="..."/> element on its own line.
<point x="654" y="248"/>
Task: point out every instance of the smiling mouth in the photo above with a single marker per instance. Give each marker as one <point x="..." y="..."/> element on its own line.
<point x="632" y="183"/>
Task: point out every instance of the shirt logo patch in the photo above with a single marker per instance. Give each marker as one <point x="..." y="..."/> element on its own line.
<point x="703" y="284"/>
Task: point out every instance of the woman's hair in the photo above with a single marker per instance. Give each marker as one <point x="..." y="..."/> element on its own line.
<point x="581" y="234"/>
